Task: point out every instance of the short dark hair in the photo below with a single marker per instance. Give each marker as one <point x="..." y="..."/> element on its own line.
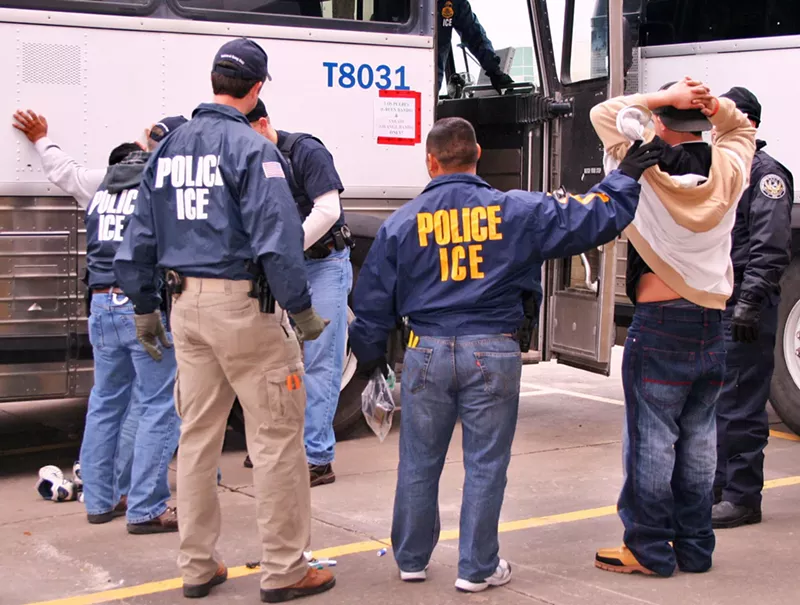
<point x="121" y="152"/>
<point x="453" y="143"/>
<point x="234" y="87"/>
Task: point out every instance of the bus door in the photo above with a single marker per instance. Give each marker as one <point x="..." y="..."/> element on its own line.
<point x="579" y="70"/>
<point x="537" y="137"/>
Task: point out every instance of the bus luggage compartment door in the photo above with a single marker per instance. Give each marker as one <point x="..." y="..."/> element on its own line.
<point x="38" y="301"/>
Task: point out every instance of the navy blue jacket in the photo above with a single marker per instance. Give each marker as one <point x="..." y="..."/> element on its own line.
<point x="762" y="234"/>
<point x="113" y="202"/>
<point x="458" y="14"/>
<point x="314" y="172"/>
<point x="213" y="197"/>
<point x="457" y="259"/>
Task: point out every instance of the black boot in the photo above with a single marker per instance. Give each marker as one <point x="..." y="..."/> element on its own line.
<point x="727" y="515"/>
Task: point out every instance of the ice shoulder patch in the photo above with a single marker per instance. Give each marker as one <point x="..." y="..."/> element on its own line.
<point x="273" y="170"/>
<point x="772" y="186"/>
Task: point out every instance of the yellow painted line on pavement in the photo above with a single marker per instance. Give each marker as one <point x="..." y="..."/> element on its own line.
<point x="358" y="547"/>
<point x="782" y="435"/>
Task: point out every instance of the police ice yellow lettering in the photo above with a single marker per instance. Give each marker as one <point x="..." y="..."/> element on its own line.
<point x="454" y="231"/>
<point x="192" y="178"/>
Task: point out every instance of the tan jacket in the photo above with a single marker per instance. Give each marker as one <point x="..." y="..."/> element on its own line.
<point x="682" y="226"/>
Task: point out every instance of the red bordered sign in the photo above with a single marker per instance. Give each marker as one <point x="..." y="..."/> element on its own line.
<point x="417" y="99"/>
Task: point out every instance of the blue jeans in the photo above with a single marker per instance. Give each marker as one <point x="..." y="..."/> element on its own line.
<point x="476" y="379"/>
<point x="330" y="279"/>
<point x="120" y="362"/>
<point x="672" y="373"/>
<point x="127" y="437"/>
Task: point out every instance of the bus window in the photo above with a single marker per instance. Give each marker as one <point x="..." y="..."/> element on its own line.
<point x="588" y="57"/>
<point x="689" y="21"/>
<point x="130" y="7"/>
<point x="583" y="55"/>
<point x="507" y="26"/>
<point x="376" y="11"/>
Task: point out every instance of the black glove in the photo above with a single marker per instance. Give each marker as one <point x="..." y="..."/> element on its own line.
<point x="500" y="81"/>
<point x="641" y="157"/>
<point x="744" y="325"/>
<point x="366" y="369"/>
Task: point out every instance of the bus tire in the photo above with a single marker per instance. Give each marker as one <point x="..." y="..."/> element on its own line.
<point x="785" y="386"/>
<point x="348" y="417"/>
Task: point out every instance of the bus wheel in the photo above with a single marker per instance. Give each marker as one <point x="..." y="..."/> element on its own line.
<point x="785" y="387"/>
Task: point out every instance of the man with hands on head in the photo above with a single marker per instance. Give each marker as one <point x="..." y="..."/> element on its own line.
<point x="679" y="278"/>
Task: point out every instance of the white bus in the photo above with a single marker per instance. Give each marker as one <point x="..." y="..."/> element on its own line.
<point x="361" y="75"/>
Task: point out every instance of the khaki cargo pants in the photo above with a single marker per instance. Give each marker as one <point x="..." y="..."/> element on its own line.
<point x="225" y="347"/>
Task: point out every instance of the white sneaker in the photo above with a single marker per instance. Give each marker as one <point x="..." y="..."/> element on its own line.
<point x="414" y="576"/>
<point x="501" y="576"/>
<point x="50" y="477"/>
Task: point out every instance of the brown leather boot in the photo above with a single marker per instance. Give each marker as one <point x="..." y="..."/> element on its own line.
<point x="316" y="581"/>
<point x="118" y="511"/>
<point x="321" y="474"/>
<point x="166" y="523"/>
<point x="198" y="591"/>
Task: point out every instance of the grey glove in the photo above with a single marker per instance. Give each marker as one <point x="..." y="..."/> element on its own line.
<point x="148" y="329"/>
<point x="308" y="325"/>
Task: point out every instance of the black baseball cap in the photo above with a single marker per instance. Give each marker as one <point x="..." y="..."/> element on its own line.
<point x="242" y="59"/>
<point x="165" y="126"/>
<point x="259" y="112"/>
<point x="746" y="102"/>
<point x="682" y="120"/>
<point x="120" y="152"/>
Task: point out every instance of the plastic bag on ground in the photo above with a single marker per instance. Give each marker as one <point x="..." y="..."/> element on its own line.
<point x="377" y="404"/>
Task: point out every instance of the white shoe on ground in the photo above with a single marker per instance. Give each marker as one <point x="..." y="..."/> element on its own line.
<point x="414" y="576"/>
<point x="501" y="576"/>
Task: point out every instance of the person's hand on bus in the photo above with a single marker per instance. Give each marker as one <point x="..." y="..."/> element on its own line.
<point x="33" y="126"/>
<point x="500" y="81"/>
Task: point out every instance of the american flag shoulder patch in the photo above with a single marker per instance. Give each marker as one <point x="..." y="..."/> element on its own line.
<point x="273" y="170"/>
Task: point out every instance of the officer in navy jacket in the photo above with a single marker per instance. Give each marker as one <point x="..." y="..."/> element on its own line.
<point x="760" y="252"/>
<point x="316" y="186"/>
<point x="458" y="15"/>
<point x="141" y="487"/>
<point x="215" y="211"/>
<point x="456" y="262"/>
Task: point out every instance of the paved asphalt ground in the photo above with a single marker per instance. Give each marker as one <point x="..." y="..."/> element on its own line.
<point x="562" y="485"/>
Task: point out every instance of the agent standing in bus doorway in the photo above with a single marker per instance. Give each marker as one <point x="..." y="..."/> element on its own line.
<point x="119" y="476"/>
<point x="458" y="15"/>
<point x="762" y="238"/>
<point x="316" y="187"/>
<point x="216" y="212"/>
<point x="458" y="262"/>
<point x="679" y="278"/>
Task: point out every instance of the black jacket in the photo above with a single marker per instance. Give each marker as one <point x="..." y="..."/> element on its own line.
<point x="762" y="235"/>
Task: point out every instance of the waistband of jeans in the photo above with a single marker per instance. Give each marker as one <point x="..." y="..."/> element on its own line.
<point x="463" y="338"/>
<point x="678" y="310"/>
<point x="219" y="286"/>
